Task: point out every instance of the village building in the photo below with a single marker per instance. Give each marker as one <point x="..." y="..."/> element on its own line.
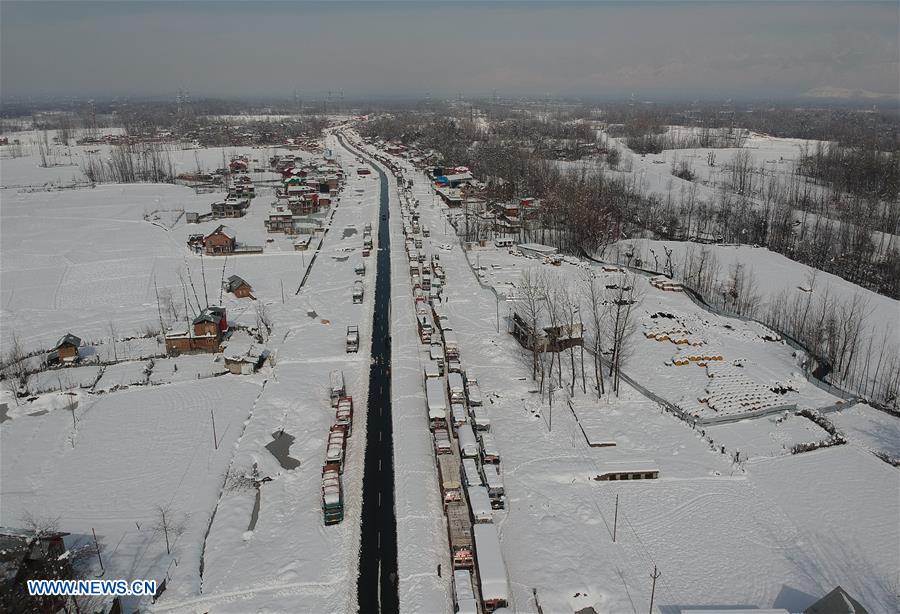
<point x="219" y="241"/>
<point x="65" y="350"/>
<point x="203" y="335"/>
<point x="238" y="287"/>
<point x="232" y="206"/>
<point x="243" y="357"/>
<point x="549" y="337"/>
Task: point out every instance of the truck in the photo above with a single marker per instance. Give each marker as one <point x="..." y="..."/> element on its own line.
<point x="337" y="445"/>
<point x="432" y="370"/>
<point x="367" y="241"/>
<point x="448" y="465"/>
<point x="357" y="292"/>
<point x="494" y="481"/>
<point x="436" y="353"/>
<point x="480" y="418"/>
<point x="480" y="504"/>
<point x="473" y="391"/>
<point x="343" y="415"/>
<point x="360" y="267"/>
<point x="451" y="345"/>
<point x="436" y="400"/>
<point x="459" y="528"/>
<point x="456" y="388"/>
<point x="352" y="338"/>
<point x="489" y="451"/>
<point x="338" y="388"/>
<point x="463" y="593"/>
<point x="459" y="414"/>
<point x="470" y="474"/>
<point x="442" y="441"/>
<point x="468" y="445"/>
<point x="491" y="568"/>
<point x="332" y="494"/>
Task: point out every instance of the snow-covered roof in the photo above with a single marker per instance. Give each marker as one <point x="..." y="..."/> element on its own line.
<point x="491" y="568"/>
<point x="68" y="339"/>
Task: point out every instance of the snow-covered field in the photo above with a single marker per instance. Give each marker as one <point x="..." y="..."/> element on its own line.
<point x="770" y="532"/>
<point x="78" y="260"/>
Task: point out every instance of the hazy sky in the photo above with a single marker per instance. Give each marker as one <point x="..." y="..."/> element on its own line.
<point x="259" y="49"/>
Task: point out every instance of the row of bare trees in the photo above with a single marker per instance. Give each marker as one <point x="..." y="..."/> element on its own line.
<point x="600" y="314"/>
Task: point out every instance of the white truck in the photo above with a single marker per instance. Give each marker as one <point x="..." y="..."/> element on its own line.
<point x="436" y="399"/>
<point x="459" y="414"/>
<point x="468" y="445"/>
<point x="338" y="389"/>
<point x="470" y="474"/>
<point x="490" y="453"/>
<point x="352" y="338"/>
<point x="358" y="292"/>
<point x="480" y="504"/>
<point x="480" y="418"/>
<point x="456" y="388"/>
<point x="494" y="481"/>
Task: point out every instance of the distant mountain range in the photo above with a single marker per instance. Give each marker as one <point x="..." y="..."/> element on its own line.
<point x="844" y="93"/>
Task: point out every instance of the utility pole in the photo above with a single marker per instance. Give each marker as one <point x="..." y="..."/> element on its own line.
<point x="97" y="548"/>
<point x="656" y="573"/>
<point x="215" y="438"/>
<point x="616" y="519"/>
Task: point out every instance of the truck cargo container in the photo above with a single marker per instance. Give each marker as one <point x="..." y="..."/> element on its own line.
<point x="464" y="593"/>
<point x="468" y="445"/>
<point x="480" y="504"/>
<point x="436" y="400"/>
<point x="473" y="394"/>
<point x="448" y="467"/>
<point x="491" y="568"/>
<point x="459" y="528"/>
<point x="470" y="473"/>
<point x="343" y="415"/>
<point x="432" y="370"/>
<point x="456" y="388"/>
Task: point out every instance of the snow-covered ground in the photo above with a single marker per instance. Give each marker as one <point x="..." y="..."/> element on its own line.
<point x="77" y="260"/>
<point x="772" y="532"/>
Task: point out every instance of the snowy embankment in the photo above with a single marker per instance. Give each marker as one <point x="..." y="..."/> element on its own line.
<point x="720" y="533"/>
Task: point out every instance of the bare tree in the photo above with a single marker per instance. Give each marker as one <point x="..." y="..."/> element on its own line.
<point x="621" y="301"/>
<point x="170" y="524"/>
<point x="263" y="321"/>
<point x="593" y="295"/>
<point x="530" y="307"/>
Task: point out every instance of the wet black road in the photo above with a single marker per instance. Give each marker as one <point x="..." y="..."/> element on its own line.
<point x="377" y="583"/>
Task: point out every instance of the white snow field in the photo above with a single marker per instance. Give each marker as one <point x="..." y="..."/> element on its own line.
<point x="130" y="451"/>
<point x="76" y="260"/>
<point x="779" y="530"/>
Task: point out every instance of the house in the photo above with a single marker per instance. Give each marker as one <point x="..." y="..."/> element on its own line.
<point x="302" y="243"/>
<point x="243" y="357"/>
<point x="66" y="349"/>
<point x="550" y="337"/>
<point x="219" y="241"/>
<point x="230" y="207"/>
<point x="238" y="287"/>
<point x="29" y="555"/>
<point x="203" y="335"/>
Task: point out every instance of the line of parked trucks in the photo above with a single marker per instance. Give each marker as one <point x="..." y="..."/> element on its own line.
<point x="468" y="459"/>
<point x="336" y="450"/>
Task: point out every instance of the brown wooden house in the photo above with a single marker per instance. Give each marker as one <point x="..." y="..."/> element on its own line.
<point x="66" y="349"/>
<point x="238" y="287"/>
<point x="204" y="334"/>
<point x="220" y="241"/>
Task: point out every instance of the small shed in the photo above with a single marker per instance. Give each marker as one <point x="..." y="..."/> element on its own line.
<point x="66" y="349"/>
<point x="239" y="287"/>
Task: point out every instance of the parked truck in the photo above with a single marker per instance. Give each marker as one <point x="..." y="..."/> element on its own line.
<point x="357" y="292"/>
<point x="352" y="339"/>
<point x="456" y="388"/>
<point x="338" y="389"/>
<point x="494" y="481"/>
<point x="337" y="446"/>
<point x="332" y="494"/>
<point x="343" y="415"/>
